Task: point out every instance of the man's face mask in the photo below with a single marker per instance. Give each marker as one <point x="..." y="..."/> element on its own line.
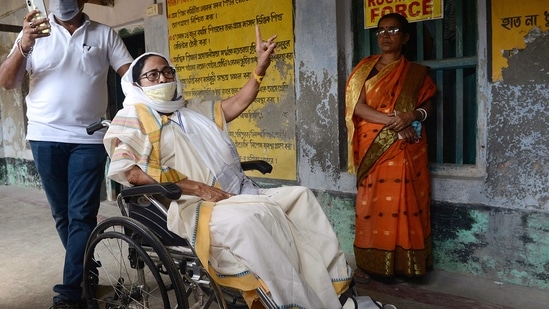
<point x="161" y="92"/>
<point x="65" y="10"/>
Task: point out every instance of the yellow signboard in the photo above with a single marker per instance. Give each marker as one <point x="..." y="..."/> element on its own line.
<point x="212" y="45"/>
<point x="511" y="24"/>
<point x="413" y="10"/>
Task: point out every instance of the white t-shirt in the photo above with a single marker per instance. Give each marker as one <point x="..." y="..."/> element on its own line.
<point x="68" y="81"/>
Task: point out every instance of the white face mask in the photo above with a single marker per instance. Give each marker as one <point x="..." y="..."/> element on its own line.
<point x="65" y="10"/>
<point x="161" y="92"/>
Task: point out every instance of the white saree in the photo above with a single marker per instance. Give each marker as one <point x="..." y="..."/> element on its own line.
<point x="280" y="235"/>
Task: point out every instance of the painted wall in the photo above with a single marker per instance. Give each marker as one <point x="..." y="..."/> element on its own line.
<point x="512" y="237"/>
<point x="489" y="220"/>
<point x="518" y="152"/>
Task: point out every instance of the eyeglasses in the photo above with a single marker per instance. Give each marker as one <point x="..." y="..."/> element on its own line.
<point x="154" y="75"/>
<point x="390" y="31"/>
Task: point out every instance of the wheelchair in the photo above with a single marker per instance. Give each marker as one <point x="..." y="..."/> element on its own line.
<point x="134" y="261"/>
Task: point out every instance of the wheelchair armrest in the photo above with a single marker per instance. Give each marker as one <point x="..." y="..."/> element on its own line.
<point x="257" y="165"/>
<point x="173" y="192"/>
<point x="168" y="189"/>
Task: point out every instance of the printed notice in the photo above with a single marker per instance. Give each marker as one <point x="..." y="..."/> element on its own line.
<point x="513" y="22"/>
<point x="413" y="10"/>
<point x="212" y="45"/>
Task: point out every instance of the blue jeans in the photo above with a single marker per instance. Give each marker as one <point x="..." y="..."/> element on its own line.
<point x="72" y="176"/>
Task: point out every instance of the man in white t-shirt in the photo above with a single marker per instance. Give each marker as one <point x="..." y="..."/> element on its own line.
<point x="67" y="57"/>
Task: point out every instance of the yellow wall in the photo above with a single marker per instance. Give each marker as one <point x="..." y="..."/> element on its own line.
<point x="212" y="44"/>
<point x="511" y="23"/>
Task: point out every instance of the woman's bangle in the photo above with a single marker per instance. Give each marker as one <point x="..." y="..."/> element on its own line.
<point x="423" y="114"/>
<point x="258" y="78"/>
<point x="24" y="54"/>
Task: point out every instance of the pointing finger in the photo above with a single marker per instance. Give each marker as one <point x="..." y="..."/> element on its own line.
<point x="258" y="39"/>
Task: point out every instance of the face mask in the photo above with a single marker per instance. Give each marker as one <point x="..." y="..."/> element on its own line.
<point x="161" y="92"/>
<point x="65" y="9"/>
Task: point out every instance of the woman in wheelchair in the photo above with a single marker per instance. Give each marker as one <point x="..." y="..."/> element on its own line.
<point x="279" y="235"/>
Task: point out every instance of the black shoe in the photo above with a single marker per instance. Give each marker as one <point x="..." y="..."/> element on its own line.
<point x="64" y="304"/>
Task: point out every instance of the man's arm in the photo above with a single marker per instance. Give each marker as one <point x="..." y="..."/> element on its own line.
<point x="123" y="69"/>
<point x="12" y="70"/>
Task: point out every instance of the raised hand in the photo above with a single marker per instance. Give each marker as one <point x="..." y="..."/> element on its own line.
<point x="265" y="50"/>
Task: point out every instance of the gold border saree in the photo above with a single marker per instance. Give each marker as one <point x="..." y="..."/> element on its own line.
<point x="392" y="233"/>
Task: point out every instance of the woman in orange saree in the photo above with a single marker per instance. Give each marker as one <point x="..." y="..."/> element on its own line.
<point x="387" y="98"/>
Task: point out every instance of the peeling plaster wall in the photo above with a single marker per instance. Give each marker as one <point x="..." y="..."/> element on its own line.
<point x="319" y="43"/>
<point x="16" y="165"/>
<point x="498" y="228"/>
<point x="323" y="44"/>
<point x="518" y="148"/>
<point x="502" y="244"/>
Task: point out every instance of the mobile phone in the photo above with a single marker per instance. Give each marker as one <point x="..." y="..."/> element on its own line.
<point x="38" y="5"/>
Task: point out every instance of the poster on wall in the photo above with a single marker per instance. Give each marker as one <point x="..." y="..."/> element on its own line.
<point x="514" y="22"/>
<point x="212" y="44"/>
<point x="413" y="10"/>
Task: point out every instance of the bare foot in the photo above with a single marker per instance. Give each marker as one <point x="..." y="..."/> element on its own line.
<point x="361" y="277"/>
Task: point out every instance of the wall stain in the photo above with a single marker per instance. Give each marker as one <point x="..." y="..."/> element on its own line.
<point x="517" y="160"/>
<point x="530" y="63"/>
<point x="340" y="210"/>
<point x="507" y="245"/>
<point x="3" y="172"/>
<point x="318" y="141"/>
<point x="279" y="115"/>
<point x="14" y="171"/>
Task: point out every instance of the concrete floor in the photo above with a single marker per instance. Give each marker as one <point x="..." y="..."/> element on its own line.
<point x="32" y="257"/>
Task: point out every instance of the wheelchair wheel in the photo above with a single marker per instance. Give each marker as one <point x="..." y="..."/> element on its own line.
<point x="126" y="266"/>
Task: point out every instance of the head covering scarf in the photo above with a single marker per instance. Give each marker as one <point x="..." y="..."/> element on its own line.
<point x="134" y="94"/>
<point x="216" y="148"/>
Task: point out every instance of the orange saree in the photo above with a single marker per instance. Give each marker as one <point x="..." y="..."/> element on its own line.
<point x="393" y="230"/>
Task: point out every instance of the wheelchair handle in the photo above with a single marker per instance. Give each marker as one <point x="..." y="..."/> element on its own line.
<point x="98" y="125"/>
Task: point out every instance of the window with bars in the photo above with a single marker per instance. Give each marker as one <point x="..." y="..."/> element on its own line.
<point x="449" y="47"/>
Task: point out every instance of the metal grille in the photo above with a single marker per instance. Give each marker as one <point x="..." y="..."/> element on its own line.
<point x="449" y="47"/>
